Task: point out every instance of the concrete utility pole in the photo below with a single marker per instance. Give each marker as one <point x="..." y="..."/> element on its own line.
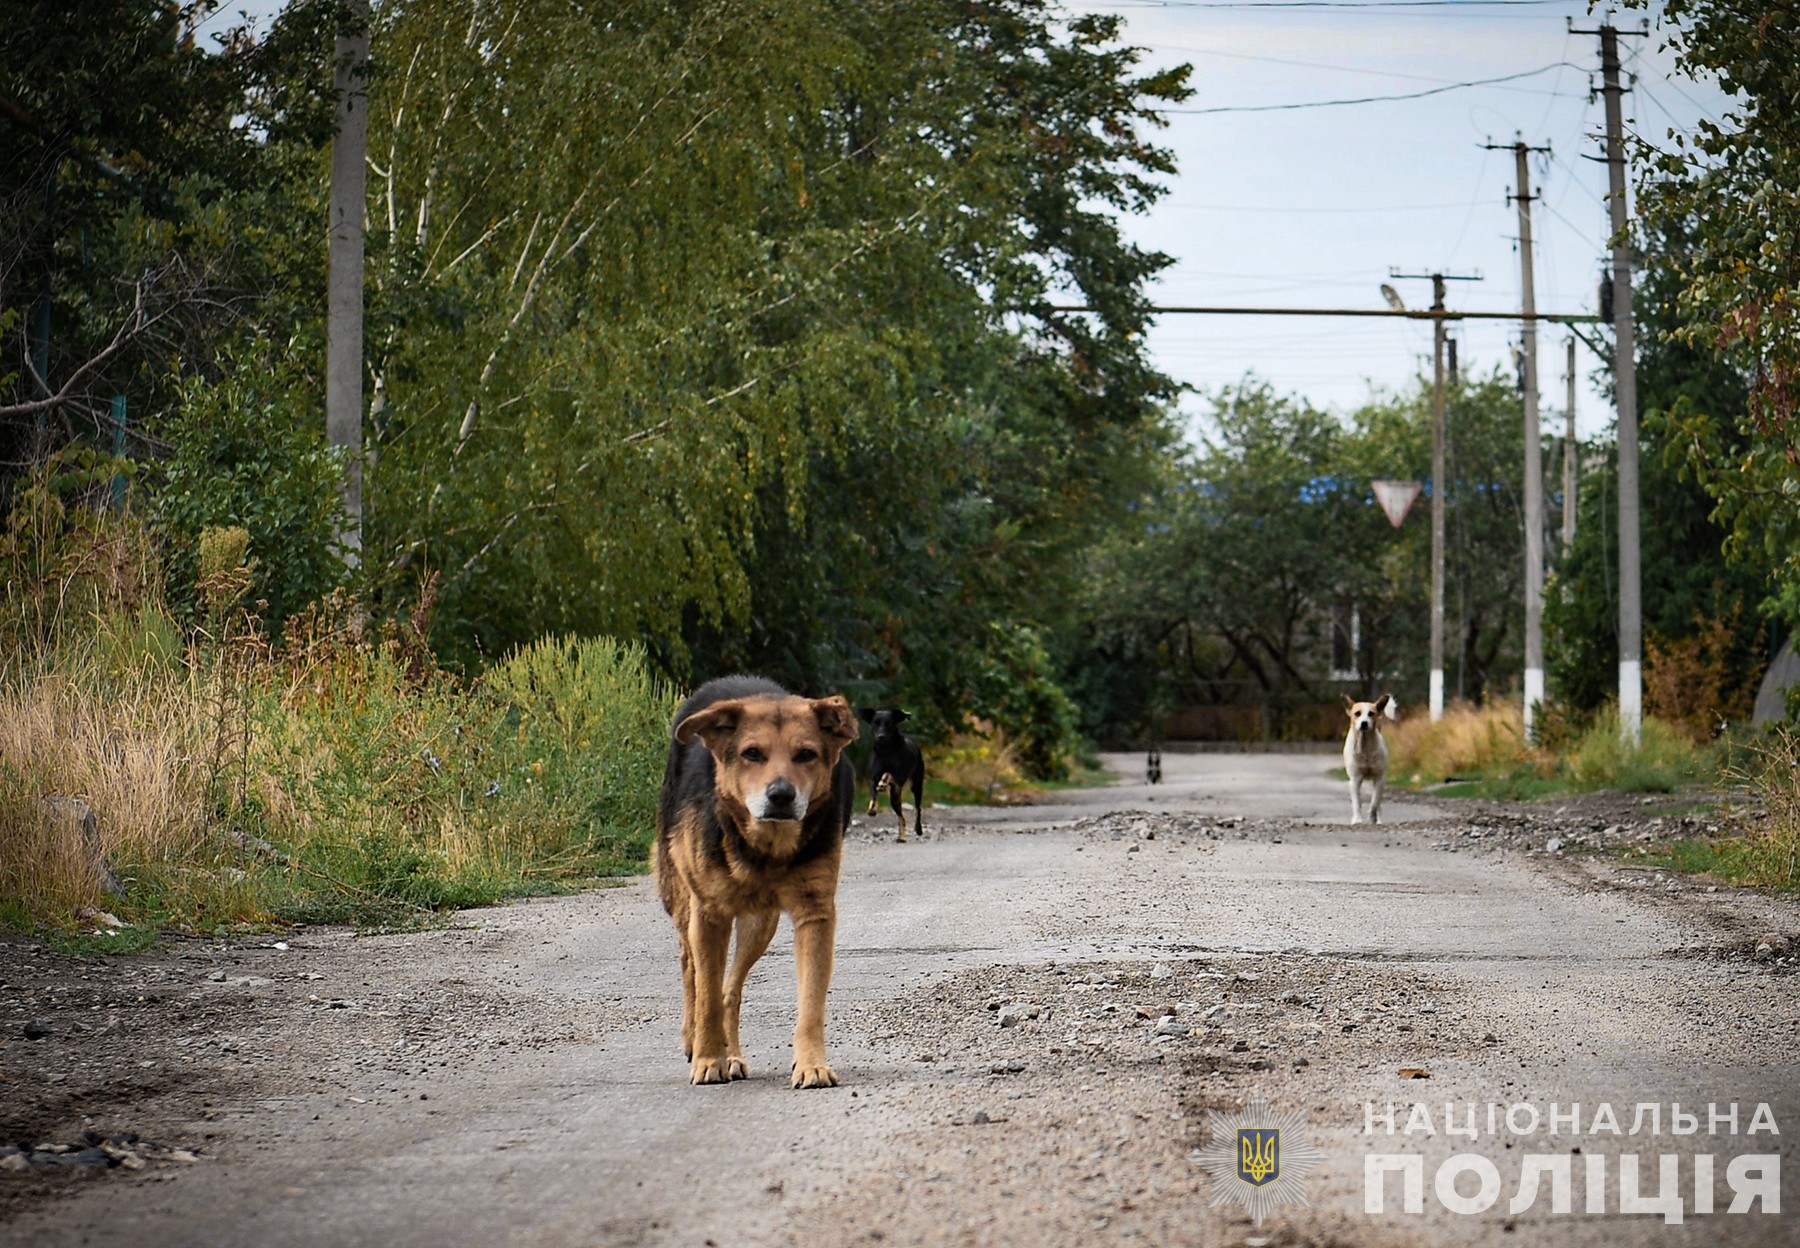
<point x="1534" y="442"/>
<point x="344" y="284"/>
<point x="1437" y="478"/>
<point x="1631" y="620"/>
<point x="1571" y="455"/>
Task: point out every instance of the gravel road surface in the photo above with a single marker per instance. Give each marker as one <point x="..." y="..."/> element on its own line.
<point x="1035" y="1015"/>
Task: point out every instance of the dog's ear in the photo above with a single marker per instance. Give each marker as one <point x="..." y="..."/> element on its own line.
<point x="901" y="715"/>
<point x="715" y="725"/>
<point x="1349" y="705"/>
<point x="835" y="719"/>
<point x="1387" y="706"/>
<point x="866" y="714"/>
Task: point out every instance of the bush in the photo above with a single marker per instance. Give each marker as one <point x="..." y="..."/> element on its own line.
<point x="336" y="777"/>
<point x="1488" y="743"/>
<point x="250" y="453"/>
<point x="1466" y="740"/>
<point x="1689" y="681"/>
<point x="979" y="760"/>
<point x="120" y="727"/>
<point x="422" y="789"/>
<point x="1771" y="855"/>
<point x="1015" y="689"/>
<point x="599" y="720"/>
<point x="66" y="558"/>
<point x="1661" y="762"/>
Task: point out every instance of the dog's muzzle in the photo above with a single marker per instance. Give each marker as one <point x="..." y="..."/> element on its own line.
<point x="780" y="802"/>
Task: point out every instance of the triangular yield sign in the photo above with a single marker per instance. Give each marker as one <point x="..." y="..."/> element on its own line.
<point x="1396" y="497"/>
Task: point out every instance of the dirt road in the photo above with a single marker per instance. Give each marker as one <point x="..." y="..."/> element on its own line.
<point x="516" y="1079"/>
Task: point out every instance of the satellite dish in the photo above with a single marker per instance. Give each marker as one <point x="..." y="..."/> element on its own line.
<point x="1393" y="298"/>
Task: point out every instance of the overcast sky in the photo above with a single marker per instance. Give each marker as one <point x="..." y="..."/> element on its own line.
<point x="1312" y="206"/>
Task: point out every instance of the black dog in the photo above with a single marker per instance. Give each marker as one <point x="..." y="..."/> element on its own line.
<point x="895" y="763"/>
<point x="1153" y="766"/>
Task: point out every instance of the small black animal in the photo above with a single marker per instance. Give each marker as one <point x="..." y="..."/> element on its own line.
<point x="895" y="762"/>
<point x="1153" y="766"/>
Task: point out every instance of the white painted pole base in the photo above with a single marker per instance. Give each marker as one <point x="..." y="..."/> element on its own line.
<point x="1631" y="701"/>
<point x="1437" y="694"/>
<point x="1534" y="697"/>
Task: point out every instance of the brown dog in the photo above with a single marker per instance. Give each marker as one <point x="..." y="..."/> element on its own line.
<point x="751" y="823"/>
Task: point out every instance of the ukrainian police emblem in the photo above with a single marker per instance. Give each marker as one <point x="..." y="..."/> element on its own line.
<point x="1258" y="1158"/>
<point x="1259" y="1155"/>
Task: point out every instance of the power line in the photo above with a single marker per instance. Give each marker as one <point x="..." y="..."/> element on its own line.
<point x="1160" y="45"/>
<point x="1369" y="99"/>
<point x="1330" y="4"/>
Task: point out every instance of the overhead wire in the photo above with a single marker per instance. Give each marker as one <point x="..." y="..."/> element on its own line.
<point x="1372" y="7"/>
<point x="1367" y="99"/>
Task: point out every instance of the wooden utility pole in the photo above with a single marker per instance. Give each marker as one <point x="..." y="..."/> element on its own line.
<point x="1571" y="467"/>
<point x="1437" y="478"/>
<point x="1631" y="620"/>
<point x="344" y="283"/>
<point x="1534" y="442"/>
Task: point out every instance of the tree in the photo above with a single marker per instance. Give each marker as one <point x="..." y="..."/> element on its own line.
<point x="1225" y="583"/>
<point x="114" y="257"/>
<point x="640" y="363"/>
<point x="1687" y="579"/>
<point x="1731" y="192"/>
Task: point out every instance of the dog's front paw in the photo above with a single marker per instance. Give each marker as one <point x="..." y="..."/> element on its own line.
<point x="710" y="1070"/>
<point x="736" y="1068"/>
<point x="819" y="1076"/>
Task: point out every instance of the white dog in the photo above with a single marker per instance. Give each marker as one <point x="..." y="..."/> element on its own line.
<point x="1365" y="753"/>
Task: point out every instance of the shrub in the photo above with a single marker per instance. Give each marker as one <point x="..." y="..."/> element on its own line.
<point x="66" y="559"/>
<point x="250" y="453"/>
<point x="339" y="776"/>
<point x="1661" y="762"/>
<point x="420" y="788"/>
<point x="1466" y="740"/>
<point x="1689" y="683"/>
<point x="1488" y="742"/>
<point x="979" y="759"/>
<point x="1772" y="853"/>
<point x="120" y="728"/>
<point x="599" y="718"/>
<point x="1015" y="689"/>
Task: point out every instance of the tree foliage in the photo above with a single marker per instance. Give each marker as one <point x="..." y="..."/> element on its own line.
<point x="1254" y="546"/>
<point x="741" y="340"/>
<point x="1731" y="191"/>
<point x="1687" y="583"/>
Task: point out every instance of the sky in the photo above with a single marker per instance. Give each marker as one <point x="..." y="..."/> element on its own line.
<point x="1313" y="206"/>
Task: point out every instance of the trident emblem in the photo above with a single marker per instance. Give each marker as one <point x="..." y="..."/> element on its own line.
<point x="1259" y="1155"/>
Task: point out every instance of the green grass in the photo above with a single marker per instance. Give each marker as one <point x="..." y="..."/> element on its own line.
<point x="1728" y="859"/>
<point x="1506" y="784"/>
<point x="941" y="792"/>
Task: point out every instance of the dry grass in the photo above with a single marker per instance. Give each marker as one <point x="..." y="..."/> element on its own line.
<point x="1487" y="744"/>
<point x="1771" y="855"/>
<point x="126" y="743"/>
<point x="1467" y="740"/>
<point x="346" y="780"/>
